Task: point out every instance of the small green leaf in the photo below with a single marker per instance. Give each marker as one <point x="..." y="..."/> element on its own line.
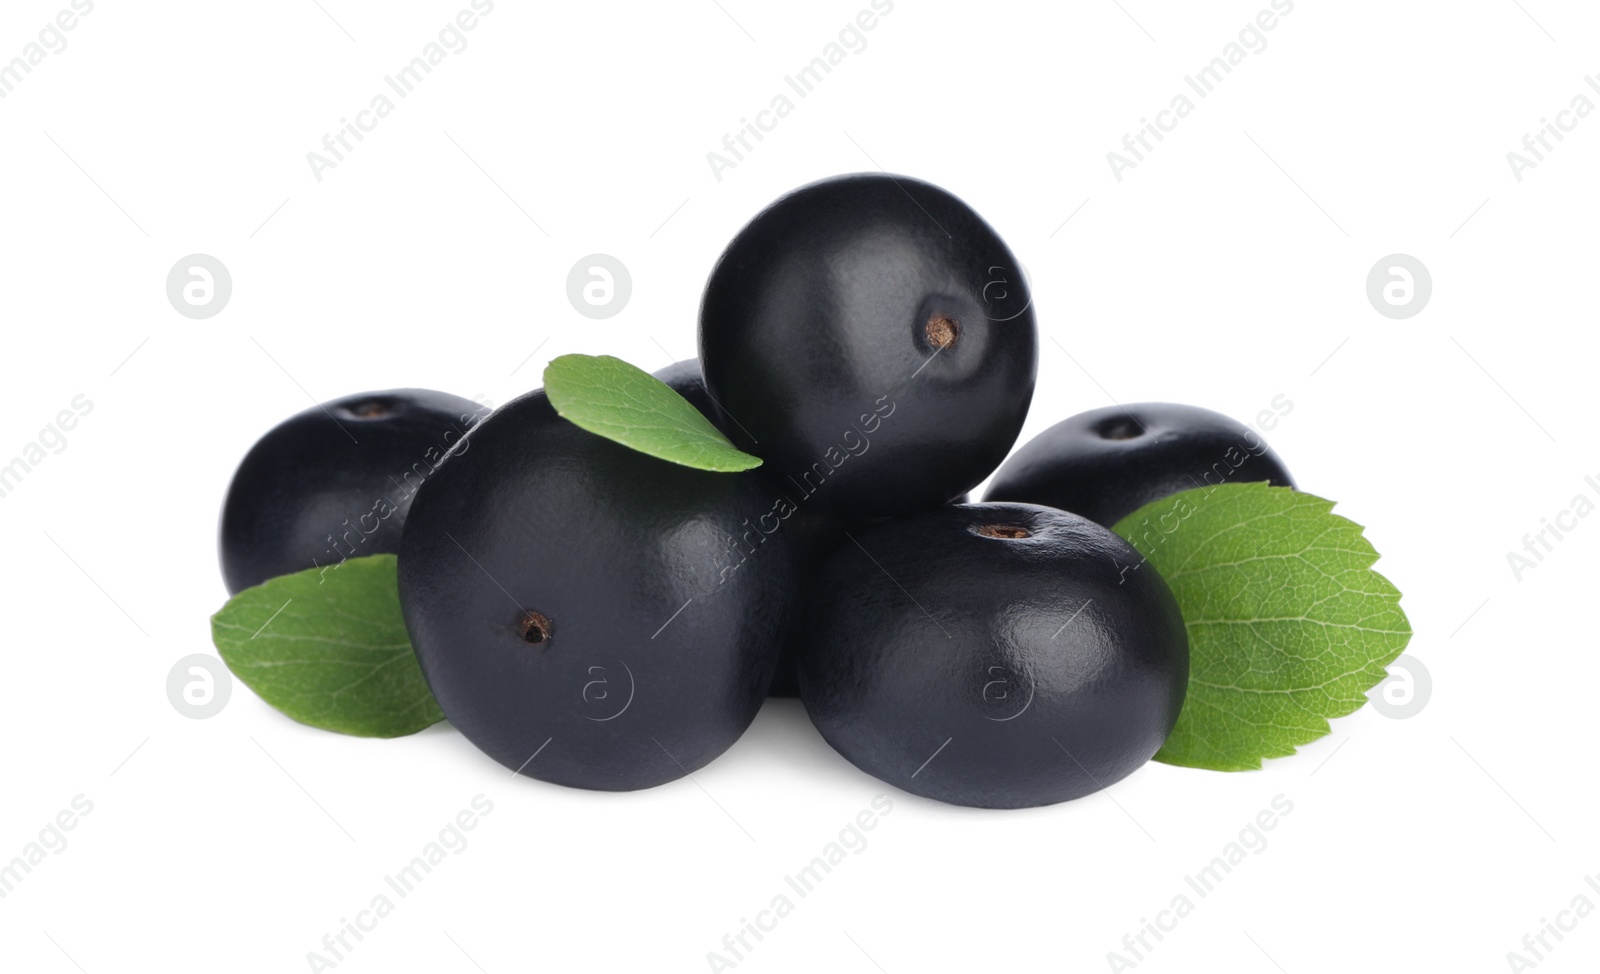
<point x="613" y="399"/>
<point x="1288" y="624"/>
<point x="327" y="646"/>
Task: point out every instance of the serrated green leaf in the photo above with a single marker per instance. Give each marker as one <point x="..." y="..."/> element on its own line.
<point x="1288" y="624"/>
<point x="620" y="402"/>
<point x="328" y="647"/>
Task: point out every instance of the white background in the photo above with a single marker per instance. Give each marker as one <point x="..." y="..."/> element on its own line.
<point x="1224" y="270"/>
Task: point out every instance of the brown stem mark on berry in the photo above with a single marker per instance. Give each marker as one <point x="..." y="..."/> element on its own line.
<point x="941" y="330"/>
<point x="1008" y="532"/>
<point x="371" y="409"/>
<point x="535" y="627"/>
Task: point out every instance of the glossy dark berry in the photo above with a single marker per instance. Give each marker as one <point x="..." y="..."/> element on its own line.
<point x="812" y="532"/>
<point x="815" y="534"/>
<point x="335" y="481"/>
<point x="872" y="339"/>
<point x="589" y="615"/>
<point x="995" y="655"/>
<point x="1107" y="463"/>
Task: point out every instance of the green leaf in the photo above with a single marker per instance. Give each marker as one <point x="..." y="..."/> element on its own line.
<point x="327" y="646"/>
<point x="1288" y="624"/>
<point x="613" y="399"/>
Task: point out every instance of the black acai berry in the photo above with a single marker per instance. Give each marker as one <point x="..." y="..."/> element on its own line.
<point x="587" y="614"/>
<point x="335" y="481"/>
<point x="872" y="339"/>
<point x="1107" y="463"/>
<point x="995" y="655"/>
